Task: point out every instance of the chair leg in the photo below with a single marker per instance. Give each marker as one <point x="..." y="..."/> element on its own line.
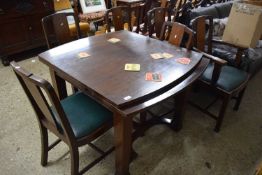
<point x="44" y="143"/>
<point x="239" y="99"/>
<point x="222" y="113"/>
<point x="74" y="154"/>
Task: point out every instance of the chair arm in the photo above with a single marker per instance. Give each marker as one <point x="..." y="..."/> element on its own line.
<point x="219" y="63"/>
<point x="228" y="44"/>
<point x="213" y="58"/>
<point x="239" y="53"/>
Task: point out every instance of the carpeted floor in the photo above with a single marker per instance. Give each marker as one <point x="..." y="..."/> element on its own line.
<point x="195" y="150"/>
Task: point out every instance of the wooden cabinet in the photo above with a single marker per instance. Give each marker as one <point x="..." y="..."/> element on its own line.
<point x="21" y="28"/>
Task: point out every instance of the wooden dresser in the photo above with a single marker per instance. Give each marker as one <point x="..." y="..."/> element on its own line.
<point x="21" y="28"/>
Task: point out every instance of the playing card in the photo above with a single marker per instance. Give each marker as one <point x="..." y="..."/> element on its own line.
<point x="183" y="60"/>
<point x="167" y="55"/>
<point x="113" y="40"/>
<point x="153" y="76"/>
<point x="132" y="67"/>
<point x="83" y="55"/>
<point x="149" y="76"/>
<point x="156" y="55"/>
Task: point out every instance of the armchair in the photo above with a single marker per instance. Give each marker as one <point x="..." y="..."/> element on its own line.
<point x="224" y="80"/>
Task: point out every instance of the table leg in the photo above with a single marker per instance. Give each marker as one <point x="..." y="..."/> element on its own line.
<point x="58" y="84"/>
<point x="180" y="107"/>
<point x="123" y="142"/>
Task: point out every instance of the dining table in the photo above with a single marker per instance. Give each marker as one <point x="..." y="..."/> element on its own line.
<point x="96" y="66"/>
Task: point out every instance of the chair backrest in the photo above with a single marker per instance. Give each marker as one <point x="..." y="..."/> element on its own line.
<point x="45" y="102"/>
<point x="56" y="28"/>
<point x="177" y="34"/>
<point x="142" y="14"/>
<point x="156" y="18"/>
<point x="203" y="27"/>
<point x="117" y="17"/>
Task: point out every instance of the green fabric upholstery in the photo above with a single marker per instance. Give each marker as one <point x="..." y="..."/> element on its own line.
<point x="229" y="79"/>
<point x="84" y="114"/>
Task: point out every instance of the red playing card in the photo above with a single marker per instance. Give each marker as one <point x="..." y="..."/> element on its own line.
<point x="183" y="60"/>
<point x="149" y="76"/>
<point x="153" y="76"/>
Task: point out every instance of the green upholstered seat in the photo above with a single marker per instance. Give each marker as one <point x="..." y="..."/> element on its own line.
<point x="229" y="79"/>
<point x="84" y="114"/>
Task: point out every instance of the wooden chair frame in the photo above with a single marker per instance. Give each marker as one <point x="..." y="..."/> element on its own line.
<point x="199" y="26"/>
<point x="57" y="24"/>
<point x="34" y="87"/>
<point x="156" y="18"/>
<point x="115" y="16"/>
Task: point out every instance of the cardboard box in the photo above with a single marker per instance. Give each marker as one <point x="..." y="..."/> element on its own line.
<point x="244" y="26"/>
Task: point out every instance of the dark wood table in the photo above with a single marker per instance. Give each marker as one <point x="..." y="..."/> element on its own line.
<point x="102" y="76"/>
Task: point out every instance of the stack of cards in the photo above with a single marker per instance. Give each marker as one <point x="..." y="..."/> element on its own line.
<point x="183" y="60"/>
<point x="113" y="40"/>
<point x="132" y="67"/>
<point x="153" y="77"/>
<point x="161" y="55"/>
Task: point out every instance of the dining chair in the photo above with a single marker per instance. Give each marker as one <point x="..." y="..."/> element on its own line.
<point x="156" y="18"/>
<point x="177" y="34"/>
<point x="117" y="17"/>
<point x="65" y="6"/>
<point x="181" y="36"/>
<point x="76" y="120"/>
<point x="56" y="29"/>
<point x="226" y="81"/>
<point x="143" y="8"/>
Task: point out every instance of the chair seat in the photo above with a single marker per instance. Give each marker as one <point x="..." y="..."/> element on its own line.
<point x="230" y="77"/>
<point x="84" y="114"/>
<point x="84" y="27"/>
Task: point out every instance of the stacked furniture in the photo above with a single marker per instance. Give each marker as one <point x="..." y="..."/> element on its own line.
<point x="251" y="58"/>
<point x="21" y="28"/>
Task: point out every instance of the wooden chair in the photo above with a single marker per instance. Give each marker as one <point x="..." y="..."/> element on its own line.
<point x="181" y="36"/>
<point x="117" y="17"/>
<point x="65" y="6"/>
<point x="177" y="34"/>
<point x="156" y="17"/>
<point x="142" y="15"/>
<point x="56" y="29"/>
<point x="76" y="120"/>
<point x="226" y="81"/>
